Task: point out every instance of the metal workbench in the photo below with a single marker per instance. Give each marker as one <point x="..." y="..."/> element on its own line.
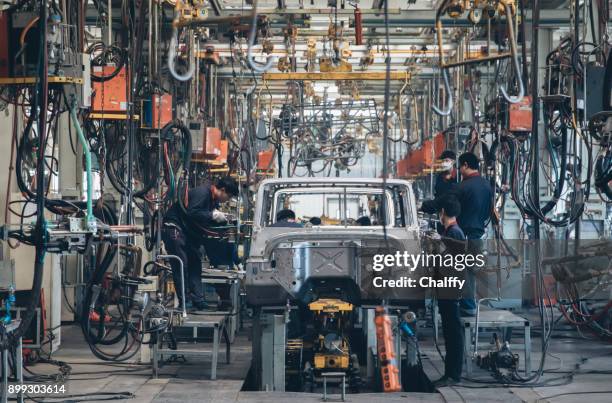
<point x="500" y="319"/>
<point x="197" y="321"/>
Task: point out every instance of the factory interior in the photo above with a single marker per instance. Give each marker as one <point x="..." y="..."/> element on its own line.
<point x="306" y="200"/>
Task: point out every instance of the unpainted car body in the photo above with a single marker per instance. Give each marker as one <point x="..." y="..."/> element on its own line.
<point x="319" y="261"/>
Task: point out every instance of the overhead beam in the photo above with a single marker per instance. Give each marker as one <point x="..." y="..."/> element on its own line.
<point x="416" y="18"/>
<point x="427" y="19"/>
<point x="337" y="76"/>
<point x="320" y="11"/>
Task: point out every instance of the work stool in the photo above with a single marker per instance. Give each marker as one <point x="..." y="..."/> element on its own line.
<point x="495" y="318"/>
<point x="334" y="375"/>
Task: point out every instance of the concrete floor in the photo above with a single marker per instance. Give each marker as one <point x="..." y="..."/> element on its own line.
<point x="189" y="381"/>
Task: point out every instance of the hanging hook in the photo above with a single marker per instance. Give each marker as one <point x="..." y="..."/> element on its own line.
<point x="172" y="56"/>
<point x="515" y="62"/>
<point x="252" y="63"/>
<point x="449" y="97"/>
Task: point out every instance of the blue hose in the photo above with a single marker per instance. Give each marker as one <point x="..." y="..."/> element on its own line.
<point x="8" y="302"/>
<point x="406" y="329"/>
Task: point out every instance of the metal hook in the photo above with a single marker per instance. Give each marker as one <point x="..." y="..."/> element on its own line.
<point x="252" y="63"/>
<point x="171" y="59"/>
<point x="449" y="97"/>
<point x="515" y="62"/>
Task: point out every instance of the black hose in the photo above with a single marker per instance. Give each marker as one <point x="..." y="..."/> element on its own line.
<point x="112" y="54"/>
<point x="559" y="187"/>
<point x="40" y="233"/>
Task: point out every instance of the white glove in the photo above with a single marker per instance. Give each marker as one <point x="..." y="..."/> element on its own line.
<point x="219" y="217"/>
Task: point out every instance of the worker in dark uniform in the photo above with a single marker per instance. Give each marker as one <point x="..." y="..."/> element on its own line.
<point x="182" y="233"/>
<point x="476" y="198"/>
<point x="286" y="218"/>
<point x="446" y="182"/>
<point x="448" y="300"/>
<point x="364" y="221"/>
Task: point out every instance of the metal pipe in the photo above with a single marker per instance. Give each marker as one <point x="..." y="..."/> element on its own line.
<point x="476" y="322"/>
<point x="172" y="55"/>
<point x="110" y="22"/>
<point x="484" y="59"/>
<point x="449" y="97"/>
<point x="515" y="62"/>
<point x="151" y="43"/>
<point x="358" y="27"/>
<point x="91" y="220"/>
<point x="154" y="46"/>
<point x="182" y="279"/>
<point x="447" y="87"/>
<point x="251" y="61"/>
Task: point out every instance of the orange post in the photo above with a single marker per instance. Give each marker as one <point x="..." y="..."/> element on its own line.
<point x="389" y="370"/>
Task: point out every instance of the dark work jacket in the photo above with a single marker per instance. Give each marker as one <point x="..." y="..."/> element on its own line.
<point x="442" y="187"/>
<point x="454" y="239"/>
<point x="475" y="196"/>
<point x="200" y="205"/>
<point x="454" y="232"/>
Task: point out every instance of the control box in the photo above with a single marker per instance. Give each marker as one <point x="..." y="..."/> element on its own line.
<point x="110" y="96"/>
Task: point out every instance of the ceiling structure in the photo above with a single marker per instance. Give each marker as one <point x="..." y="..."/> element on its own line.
<point x="412" y="43"/>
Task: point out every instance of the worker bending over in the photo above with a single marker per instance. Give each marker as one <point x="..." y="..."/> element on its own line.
<point x="184" y="232"/>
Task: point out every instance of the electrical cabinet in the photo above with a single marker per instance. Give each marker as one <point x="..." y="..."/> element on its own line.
<point x="110" y="95"/>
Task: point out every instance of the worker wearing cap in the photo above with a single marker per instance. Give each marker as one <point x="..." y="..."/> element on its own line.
<point x="182" y="233"/>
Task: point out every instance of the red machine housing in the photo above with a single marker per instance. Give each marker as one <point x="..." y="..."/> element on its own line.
<point x="160" y="111"/>
<point x="519" y="116"/>
<point x="421" y="158"/>
<point x="213" y="142"/>
<point x="110" y="96"/>
<point x="265" y="160"/>
<point x="221" y="159"/>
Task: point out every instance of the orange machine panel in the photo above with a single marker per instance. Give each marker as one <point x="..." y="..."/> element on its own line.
<point x="387" y="358"/>
<point x="402" y="168"/>
<point x="222" y="157"/>
<point x="265" y="160"/>
<point x="109" y="96"/>
<point x="213" y="142"/>
<point x="421" y="158"/>
<point x="519" y="119"/>
<point x="162" y="111"/>
<point x="434" y="149"/>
